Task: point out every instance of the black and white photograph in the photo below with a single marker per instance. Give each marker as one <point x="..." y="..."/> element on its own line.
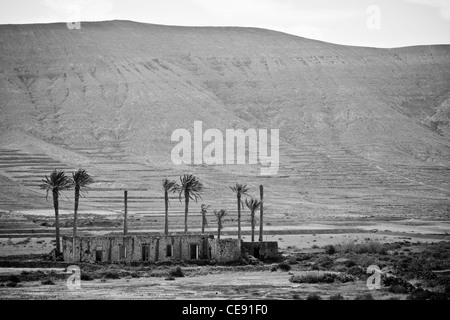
<point x="208" y="150"/>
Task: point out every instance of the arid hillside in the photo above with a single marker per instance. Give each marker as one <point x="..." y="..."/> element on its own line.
<point x="363" y="131"/>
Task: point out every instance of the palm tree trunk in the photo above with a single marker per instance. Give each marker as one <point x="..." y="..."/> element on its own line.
<point x="166" y="203"/>
<point x="218" y="229"/>
<point x="186" y="209"/>
<point x="253" y="226"/>
<point x="75" y="212"/>
<point x="125" y="222"/>
<point x="56" y="206"/>
<point x="239" y="216"/>
<point x="203" y="221"/>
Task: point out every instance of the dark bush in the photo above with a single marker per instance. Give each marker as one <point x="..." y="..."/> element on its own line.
<point x="356" y="271"/>
<point x="176" y="272"/>
<point x="324" y="262"/>
<point x="366" y="296"/>
<point x="313" y="278"/>
<point x="313" y="296"/>
<point x="86" y="276"/>
<point x="14" y="278"/>
<point x="349" y="263"/>
<point x="11" y="284"/>
<point x="399" y="289"/>
<point x="337" y="296"/>
<point x="330" y="249"/>
<point x="48" y="282"/>
<point x="112" y="275"/>
<point x="283" y="266"/>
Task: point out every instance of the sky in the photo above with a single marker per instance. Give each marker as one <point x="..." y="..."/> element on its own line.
<point x="373" y="23"/>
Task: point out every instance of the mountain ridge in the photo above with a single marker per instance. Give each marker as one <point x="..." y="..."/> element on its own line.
<point x="113" y="92"/>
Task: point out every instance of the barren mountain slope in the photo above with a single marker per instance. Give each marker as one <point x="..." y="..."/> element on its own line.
<point x="363" y="130"/>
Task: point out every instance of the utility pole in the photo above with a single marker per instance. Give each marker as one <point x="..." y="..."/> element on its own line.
<point x="125" y="226"/>
<point x="261" y="210"/>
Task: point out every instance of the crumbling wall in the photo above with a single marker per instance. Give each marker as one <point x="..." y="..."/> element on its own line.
<point x="108" y="248"/>
<point x="223" y="250"/>
<point x="261" y="249"/>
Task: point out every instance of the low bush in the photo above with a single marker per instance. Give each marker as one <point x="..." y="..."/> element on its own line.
<point x="111" y="275"/>
<point x="14" y="278"/>
<point x="313" y="277"/>
<point x="176" y="272"/>
<point x="48" y="282"/>
<point x="86" y="276"/>
<point x="337" y="296"/>
<point x="366" y="296"/>
<point x="398" y="289"/>
<point x="313" y="296"/>
<point x="283" y="266"/>
<point x="330" y="249"/>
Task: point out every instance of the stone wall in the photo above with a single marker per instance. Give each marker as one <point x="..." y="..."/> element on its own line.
<point x="261" y="250"/>
<point x="225" y="249"/>
<point x="135" y="248"/>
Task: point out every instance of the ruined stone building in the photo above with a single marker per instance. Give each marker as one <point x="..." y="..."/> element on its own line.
<point x="144" y="247"/>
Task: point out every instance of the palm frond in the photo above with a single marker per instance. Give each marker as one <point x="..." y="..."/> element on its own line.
<point x="190" y="187"/>
<point x="81" y="180"/>
<point x="219" y="215"/>
<point x="253" y="204"/>
<point x="170" y="186"/>
<point x="240" y="189"/>
<point x="56" y="182"/>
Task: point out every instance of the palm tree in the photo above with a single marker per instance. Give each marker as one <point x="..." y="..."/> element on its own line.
<point x="219" y="215"/>
<point x="203" y="211"/>
<point x="240" y="190"/>
<point x="56" y="182"/>
<point x="253" y="205"/>
<point x="190" y="188"/>
<point x="168" y="186"/>
<point x="81" y="179"/>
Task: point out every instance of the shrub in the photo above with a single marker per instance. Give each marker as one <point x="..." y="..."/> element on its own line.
<point x="284" y="266"/>
<point x="356" y="271"/>
<point x="337" y="296"/>
<point x="111" y="275"/>
<point x="366" y="296"/>
<point x="14" y="278"/>
<point x="176" y="272"/>
<point x="324" y="262"/>
<point x="274" y="268"/>
<point x="86" y="276"/>
<point x="313" y="277"/>
<point x="342" y="277"/>
<point x="48" y="282"/>
<point x="11" y="284"/>
<point x="399" y="289"/>
<point x="170" y="278"/>
<point x="369" y="247"/>
<point x="296" y="297"/>
<point x="330" y="249"/>
<point x="313" y="296"/>
<point x="349" y="263"/>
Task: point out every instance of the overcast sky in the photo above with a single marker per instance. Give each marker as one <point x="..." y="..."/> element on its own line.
<point x="376" y="23"/>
